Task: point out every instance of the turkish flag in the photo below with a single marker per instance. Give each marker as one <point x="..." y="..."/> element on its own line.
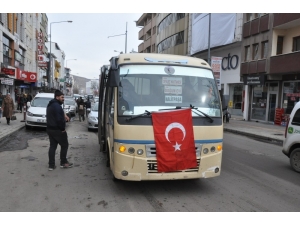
<point x="174" y="140"/>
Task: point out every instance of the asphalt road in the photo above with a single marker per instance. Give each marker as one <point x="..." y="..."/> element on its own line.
<point x="255" y="176"/>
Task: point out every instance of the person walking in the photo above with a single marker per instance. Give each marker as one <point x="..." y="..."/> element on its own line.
<point x="88" y="105"/>
<point x="8" y="107"/>
<point x="56" y="130"/>
<point x="1" y="100"/>
<point x="81" y="106"/>
<point x="20" y="102"/>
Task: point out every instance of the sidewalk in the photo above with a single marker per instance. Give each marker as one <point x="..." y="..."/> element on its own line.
<point x="259" y="130"/>
<point x="15" y="125"/>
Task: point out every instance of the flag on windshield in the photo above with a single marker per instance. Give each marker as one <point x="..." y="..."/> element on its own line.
<point x="174" y="140"/>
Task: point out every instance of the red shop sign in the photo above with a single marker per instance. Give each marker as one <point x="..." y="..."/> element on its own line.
<point x="8" y="71"/>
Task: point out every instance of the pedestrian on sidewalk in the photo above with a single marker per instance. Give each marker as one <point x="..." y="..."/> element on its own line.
<point x="81" y="105"/>
<point x="88" y="105"/>
<point x="8" y="108"/>
<point x="56" y="130"/>
<point x="1" y="100"/>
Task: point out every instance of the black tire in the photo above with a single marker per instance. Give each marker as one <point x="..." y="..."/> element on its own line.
<point x="27" y="127"/>
<point x="89" y="129"/>
<point x="295" y="159"/>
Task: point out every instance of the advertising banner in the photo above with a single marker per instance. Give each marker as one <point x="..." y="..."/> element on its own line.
<point x="216" y="63"/>
<point x="222" y="28"/>
<point x="26" y="76"/>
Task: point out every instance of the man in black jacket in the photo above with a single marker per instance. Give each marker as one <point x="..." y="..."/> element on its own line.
<point x="56" y="130"/>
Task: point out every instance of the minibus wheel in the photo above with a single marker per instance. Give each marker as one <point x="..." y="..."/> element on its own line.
<point x="295" y="159"/>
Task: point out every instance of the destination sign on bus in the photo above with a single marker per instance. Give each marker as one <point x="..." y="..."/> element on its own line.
<point x="173" y="99"/>
<point x="172" y="81"/>
<point x="175" y="90"/>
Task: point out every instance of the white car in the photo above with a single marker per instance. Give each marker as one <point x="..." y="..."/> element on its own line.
<point x="36" y="110"/>
<point x="291" y="144"/>
<point x="70" y="107"/>
<point x="92" y="119"/>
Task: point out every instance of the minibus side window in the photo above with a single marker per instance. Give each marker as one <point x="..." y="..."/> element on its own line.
<point x="296" y="119"/>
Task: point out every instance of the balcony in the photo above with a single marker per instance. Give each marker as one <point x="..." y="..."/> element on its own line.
<point x="254" y="67"/>
<point x="141" y="34"/>
<point x="286" y="63"/>
<point x="147" y="43"/>
<point x="286" y="18"/>
<point x="148" y="26"/>
<point x="141" y="47"/>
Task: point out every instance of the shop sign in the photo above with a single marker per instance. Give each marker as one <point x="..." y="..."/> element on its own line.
<point x="26" y="76"/>
<point x="216" y="68"/>
<point x="7" y="81"/>
<point x="8" y="71"/>
<point x="254" y="80"/>
<point x="231" y="61"/>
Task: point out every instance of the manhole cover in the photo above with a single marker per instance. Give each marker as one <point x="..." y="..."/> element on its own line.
<point x="278" y="134"/>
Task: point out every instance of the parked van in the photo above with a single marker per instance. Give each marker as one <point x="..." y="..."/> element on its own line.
<point x="291" y="144"/>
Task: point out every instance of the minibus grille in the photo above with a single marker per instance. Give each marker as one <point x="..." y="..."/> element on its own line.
<point x="152" y="167"/>
<point x="151" y="150"/>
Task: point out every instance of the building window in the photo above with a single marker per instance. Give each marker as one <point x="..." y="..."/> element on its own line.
<point x="168" y="20"/>
<point x="291" y="95"/>
<point x="7" y="52"/>
<point x="171" y="41"/>
<point x="247" y="53"/>
<point x="19" y="59"/>
<point x="154" y="30"/>
<point x="279" y="45"/>
<point x="296" y="44"/>
<point x="264" y="49"/>
<point x="153" y="48"/>
<point x="255" y="52"/>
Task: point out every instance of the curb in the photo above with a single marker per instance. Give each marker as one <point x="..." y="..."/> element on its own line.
<point x="272" y="140"/>
<point x="11" y="133"/>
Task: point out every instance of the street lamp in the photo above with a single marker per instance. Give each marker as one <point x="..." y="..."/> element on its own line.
<point x="125" y="38"/>
<point x="67" y="62"/>
<point x="50" y="71"/>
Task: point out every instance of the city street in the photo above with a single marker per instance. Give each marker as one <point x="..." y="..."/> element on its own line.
<point x="255" y="176"/>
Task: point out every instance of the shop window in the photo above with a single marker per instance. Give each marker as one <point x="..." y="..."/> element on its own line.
<point x="255" y="52"/>
<point x="291" y="95"/>
<point x="247" y="53"/>
<point x="264" y="49"/>
<point x="259" y="102"/>
<point x="296" y="44"/>
<point x="279" y="45"/>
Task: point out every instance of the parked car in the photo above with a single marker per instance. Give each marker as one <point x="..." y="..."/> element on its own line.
<point x="92" y="120"/>
<point x="291" y="143"/>
<point x="36" y="110"/>
<point x="70" y="107"/>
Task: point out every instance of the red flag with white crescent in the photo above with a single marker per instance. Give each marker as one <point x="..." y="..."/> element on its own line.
<point x="174" y="140"/>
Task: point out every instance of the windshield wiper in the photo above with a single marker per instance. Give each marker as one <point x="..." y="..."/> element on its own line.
<point x="192" y="107"/>
<point x="146" y="113"/>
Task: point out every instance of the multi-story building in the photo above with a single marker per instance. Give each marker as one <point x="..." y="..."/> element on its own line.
<point x="18" y="51"/>
<point x="58" y="59"/>
<point x="165" y="33"/>
<point x="148" y="32"/>
<point x="270" y="65"/>
<point x="172" y="33"/>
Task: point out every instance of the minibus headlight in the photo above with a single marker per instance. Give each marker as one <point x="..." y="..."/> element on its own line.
<point x="140" y="152"/>
<point x="131" y="150"/>
<point x="122" y="148"/>
<point x="213" y="149"/>
<point x="219" y="147"/>
<point x="205" y="151"/>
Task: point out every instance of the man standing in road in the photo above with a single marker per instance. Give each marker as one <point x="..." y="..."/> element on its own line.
<point x="81" y="105"/>
<point x="88" y="105"/>
<point x="56" y="130"/>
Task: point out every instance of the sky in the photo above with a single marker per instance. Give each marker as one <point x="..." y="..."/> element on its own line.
<point x="86" y="38"/>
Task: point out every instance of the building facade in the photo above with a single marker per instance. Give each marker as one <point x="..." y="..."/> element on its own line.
<point x="148" y="32"/>
<point x="270" y="67"/>
<point x="18" y="51"/>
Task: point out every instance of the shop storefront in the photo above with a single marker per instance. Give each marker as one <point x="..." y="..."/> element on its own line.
<point x="291" y="95"/>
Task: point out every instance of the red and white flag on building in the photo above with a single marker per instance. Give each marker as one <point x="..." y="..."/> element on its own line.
<point x="174" y="140"/>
